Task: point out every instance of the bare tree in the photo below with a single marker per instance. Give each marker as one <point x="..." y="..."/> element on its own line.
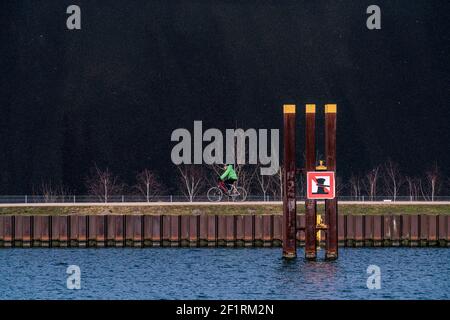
<point x="300" y="179"/>
<point x="370" y="182"/>
<point x="392" y="179"/>
<point x="412" y="185"/>
<point x="192" y="180"/>
<point x="423" y="190"/>
<point x="246" y="176"/>
<point x="50" y="192"/>
<point x="103" y="184"/>
<point x="277" y="184"/>
<point x="340" y="185"/>
<point x="355" y="186"/>
<point x="434" y="181"/>
<point x="148" y="184"/>
<point x="447" y="186"/>
<point x="215" y="171"/>
<point x="266" y="183"/>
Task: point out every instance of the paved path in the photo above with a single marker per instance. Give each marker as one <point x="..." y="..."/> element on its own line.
<point x="246" y="203"/>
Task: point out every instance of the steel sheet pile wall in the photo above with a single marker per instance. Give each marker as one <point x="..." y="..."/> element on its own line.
<point x="213" y="231"/>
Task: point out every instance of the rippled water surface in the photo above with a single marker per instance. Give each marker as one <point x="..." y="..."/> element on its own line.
<point x="164" y="273"/>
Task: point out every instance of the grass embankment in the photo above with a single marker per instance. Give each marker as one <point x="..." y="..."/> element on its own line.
<point x="224" y="209"/>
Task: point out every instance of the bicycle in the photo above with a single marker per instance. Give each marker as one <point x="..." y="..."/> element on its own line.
<point x="215" y="194"/>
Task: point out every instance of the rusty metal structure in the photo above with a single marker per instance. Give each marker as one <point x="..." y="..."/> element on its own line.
<point x="310" y="161"/>
<point x="247" y="230"/>
<point x="331" y="210"/>
<point x="330" y="227"/>
<point x="289" y="192"/>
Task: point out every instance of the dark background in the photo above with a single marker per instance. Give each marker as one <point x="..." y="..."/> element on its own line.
<point x="112" y="93"/>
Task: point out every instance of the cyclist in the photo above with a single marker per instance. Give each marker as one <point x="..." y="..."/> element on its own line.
<point x="229" y="177"/>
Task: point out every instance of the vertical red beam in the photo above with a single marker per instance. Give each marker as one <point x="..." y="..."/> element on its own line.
<point x="406" y="230"/>
<point x="350" y="231"/>
<point x="166" y="230"/>
<point x="203" y="230"/>
<point x="60" y="231"/>
<point x="432" y="230"/>
<point x="289" y="171"/>
<point x="341" y="230"/>
<point x="212" y="231"/>
<point x="448" y="230"/>
<point x="73" y="232"/>
<point x="258" y="240"/>
<point x="277" y="230"/>
<point x="27" y="228"/>
<point x="8" y="231"/>
<point x="1" y="230"/>
<point x="137" y="232"/>
<point x="194" y="230"/>
<point x="248" y="230"/>
<point x="300" y="236"/>
<point x="368" y="231"/>
<point x="133" y="230"/>
<point x="396" y="224"/>
<point x="240" y="231"/>
<point x="63" y="231"/>
<point x="377" y="230"/>
<point x="424" y="229"/>
<point x="101" y="231"/>
<point x="442" y="230"/>
<point x="230" y="236"/>
<point x="310" y="162"/>
<point x="184" y="230"/>
<point x="221" y="230"/>
<point x="174" y="230"/>
<point x="331" y="210"/>
<point x="54" y="231"/>
<point x="129" y="230"/>
<point x="414" y="231"/>
<point x="156" y="231"/>
<point x="117" y="233"/>
<point x="82" y="231"/>
<point x="96" y="231"/>
<point x="18" y="231"/>
<point x="148" y="227"/>
<point x="359" y="230"/>
<point x="387" y="230"/>
<point x="267" y="230"/>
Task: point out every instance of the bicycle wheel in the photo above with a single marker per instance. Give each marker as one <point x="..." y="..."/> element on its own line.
<point x="214" y="194"/>
<point x="239" y="195"/>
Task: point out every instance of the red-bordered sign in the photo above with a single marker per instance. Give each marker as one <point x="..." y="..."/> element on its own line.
<point x="320" y="185"/>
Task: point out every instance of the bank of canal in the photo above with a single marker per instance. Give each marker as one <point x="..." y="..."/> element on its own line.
<point x="220" y="225"/>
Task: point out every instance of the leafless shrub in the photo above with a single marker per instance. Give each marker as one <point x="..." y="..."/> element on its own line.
<point x="392" y="179"/>
<point x="433" y="177"/>
<point x="355" y="185"/>
<point x="266" y="183"/>
<point x="412" y="186"/>
<point x="370" y="182"/>
<point x="191" y="180"/>
<point x="103" y="184"/>
<point x="340" y="185"/>
<point x="148" y="185"/>
<point x="51" y="192"/>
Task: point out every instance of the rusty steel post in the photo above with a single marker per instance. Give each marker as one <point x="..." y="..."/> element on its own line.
<point x="331" y="212"/>
<point x="289" y="171"/>
<point x="310" y="161"/>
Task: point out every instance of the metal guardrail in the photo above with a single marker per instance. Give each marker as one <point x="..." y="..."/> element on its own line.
<point x="180" y="198"/>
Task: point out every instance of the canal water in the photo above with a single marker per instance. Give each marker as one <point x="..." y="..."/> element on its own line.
<point x="202" y="273"/>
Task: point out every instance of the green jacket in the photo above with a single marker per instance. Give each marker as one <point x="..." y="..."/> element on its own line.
<point x="229" y="174"/>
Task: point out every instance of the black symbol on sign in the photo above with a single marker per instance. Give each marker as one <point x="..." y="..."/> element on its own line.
<point x="320" y="182"/>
